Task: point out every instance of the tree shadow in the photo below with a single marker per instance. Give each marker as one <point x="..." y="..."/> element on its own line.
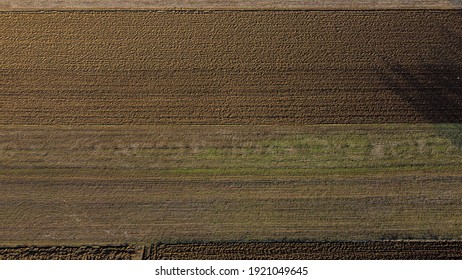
<point x="433" y="89"/>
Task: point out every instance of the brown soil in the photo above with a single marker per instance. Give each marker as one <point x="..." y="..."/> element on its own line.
<point x="231" y="67"/>
<point x="124" y="252"/>
<point x="375" y="250"/>
<point x="63" y="186"/>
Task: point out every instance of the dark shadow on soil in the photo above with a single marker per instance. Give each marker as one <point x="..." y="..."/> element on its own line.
<point x="434" y="90"/>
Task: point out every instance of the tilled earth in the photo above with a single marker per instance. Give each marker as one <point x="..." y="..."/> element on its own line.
<point x="248" y="67"/>
<point x="373" y="250"/>
<point x="378" y="250"/>
<point x="143" y="127"/>
<point x="122" y="252"/>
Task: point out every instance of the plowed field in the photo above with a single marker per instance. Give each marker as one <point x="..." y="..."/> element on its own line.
<point x="374" y="250"/>
<point x="181" y="132"/>
<point x="378" y="250"/>
<point x="231" y="67"/>
<point x="70" y="253"/>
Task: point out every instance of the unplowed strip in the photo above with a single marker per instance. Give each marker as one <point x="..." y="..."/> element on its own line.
<point x="375" y="250"/>
<point x="229" y="4"/>
<point x="137" y="184"/>
<point x="124" y="252"/>
<point x="230" y="67"/>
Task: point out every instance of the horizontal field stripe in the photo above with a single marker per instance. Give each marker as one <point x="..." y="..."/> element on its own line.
<point x="339" y="250"/>
<point x="369" y="250"/>
<point x="136" y="184"/>
<point x="229" y="4"/>
<point x="230" y="67"/>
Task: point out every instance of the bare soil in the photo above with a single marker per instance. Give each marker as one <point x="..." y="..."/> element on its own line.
<point x="99" y="142"/>
<point x="231" y="67"/>
<point x="340" y="250"/>
<point x="123" y="252"/>
<point x="376" y="250"/>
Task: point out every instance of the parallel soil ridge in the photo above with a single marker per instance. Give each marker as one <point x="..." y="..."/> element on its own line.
<point x="373" y="250"/>
<point x="233" y="4"/>
<point x="230" y="67"/>
<point x="113" y="252"/>
<point x="353" y="250"/>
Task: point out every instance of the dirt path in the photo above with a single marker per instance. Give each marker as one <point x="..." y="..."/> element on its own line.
<point x="233" y="4"/>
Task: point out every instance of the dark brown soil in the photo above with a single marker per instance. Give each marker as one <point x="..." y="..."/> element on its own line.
<point x="231" y="67"/>
<point x="375" y="250"/>
<point x="372" y="250"/>
<point x="123" y="252"/>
